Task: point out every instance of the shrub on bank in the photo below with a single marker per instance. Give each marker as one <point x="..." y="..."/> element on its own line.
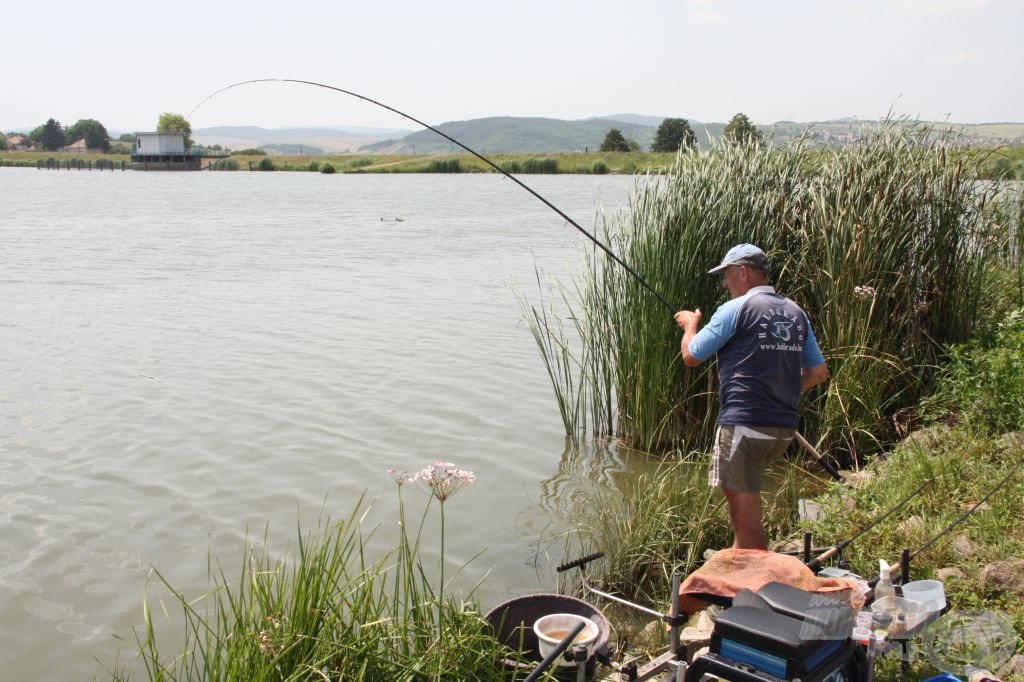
<point x="314" y="166"/>
<point x="983" y="383"/>
<point x="266" y="164"/>
<point x="540" y="166"/>
<point x="225" y="165"/>
<point x="600" y="168"/>
<point x="326" y="168"/>
<point x="444" y="166"/>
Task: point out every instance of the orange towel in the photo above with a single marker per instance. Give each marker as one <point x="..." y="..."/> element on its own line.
<point x="730" y="570"/>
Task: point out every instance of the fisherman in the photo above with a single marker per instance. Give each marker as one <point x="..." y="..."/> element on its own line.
<point x="767" y="355"/>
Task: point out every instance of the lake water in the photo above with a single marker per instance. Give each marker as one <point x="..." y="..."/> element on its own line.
<point x="189" y="358"/>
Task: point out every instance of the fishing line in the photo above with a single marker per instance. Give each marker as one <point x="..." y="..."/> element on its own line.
<point x="475" y="153"/>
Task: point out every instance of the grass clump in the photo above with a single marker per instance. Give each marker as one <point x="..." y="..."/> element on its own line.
<point x="540" y="166"/>
<point x="329" y="612"/>
<point x="314" y="166"/>
<point x="266" y="164"/>
<point x="326" y="168"/>
<point x="510" y="166"/>
<point x="599" y="168"/>
<point x="886" y="244"/>
<point x="661" y="521"/>
<point x="225" y="165"/>
<point x="444" y="166"/>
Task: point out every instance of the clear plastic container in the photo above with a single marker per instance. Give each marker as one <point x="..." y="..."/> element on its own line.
<point x="906" y="614"/>
<point x="930" y="593"/>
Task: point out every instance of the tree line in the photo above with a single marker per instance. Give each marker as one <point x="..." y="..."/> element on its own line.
<point x="51" y="135"/>
<point x="675" y="133"/>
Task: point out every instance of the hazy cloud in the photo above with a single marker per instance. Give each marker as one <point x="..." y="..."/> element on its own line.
<point x="706" y="18"/>
<point x="940" y="6"/>
<point x="704" y="13"/>
<point x="954" y="58"/>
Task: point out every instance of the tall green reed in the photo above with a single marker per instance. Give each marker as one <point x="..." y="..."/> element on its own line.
<point x="331" y="611"/>
<point x="883" y="243"/>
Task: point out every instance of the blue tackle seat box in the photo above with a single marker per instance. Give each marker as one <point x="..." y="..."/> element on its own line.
<point x="780" y="645"/>
<point x="827" y="612"/>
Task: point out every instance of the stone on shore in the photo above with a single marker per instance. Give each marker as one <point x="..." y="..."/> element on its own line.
<point x="963" y="547"/>
<point x="1005" y="576"/>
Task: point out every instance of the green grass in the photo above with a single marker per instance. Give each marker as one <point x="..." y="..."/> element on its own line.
<point x="330" y="611"/>
<point x="888" y="245"/>
<point x="30" y="159"/>
<point x="661" y="521"/>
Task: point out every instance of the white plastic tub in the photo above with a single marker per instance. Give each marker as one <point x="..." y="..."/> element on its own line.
<point x="554" y="627"/>
<point x="931" y="594"/>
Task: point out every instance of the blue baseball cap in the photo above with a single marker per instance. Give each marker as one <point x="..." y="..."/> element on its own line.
<point x="742" y="254"/>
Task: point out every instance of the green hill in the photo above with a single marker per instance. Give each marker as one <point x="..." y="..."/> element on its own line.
<point x="509" y="134"/>
<point x="513" y="134"/>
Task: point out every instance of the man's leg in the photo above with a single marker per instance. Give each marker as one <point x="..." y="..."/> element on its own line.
<point x="745" y="515"/>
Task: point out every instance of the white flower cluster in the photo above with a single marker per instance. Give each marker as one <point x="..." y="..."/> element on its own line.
<point x="266" y="637"/>
<point x="400" y="477"/>
<point x="864" y="291"/>
<point x="442" y="479"/>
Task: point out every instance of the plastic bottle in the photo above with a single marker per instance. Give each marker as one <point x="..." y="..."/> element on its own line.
<point x="884" y="586"/>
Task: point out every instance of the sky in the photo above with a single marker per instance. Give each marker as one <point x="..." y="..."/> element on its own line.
<point x="124" y="63"/>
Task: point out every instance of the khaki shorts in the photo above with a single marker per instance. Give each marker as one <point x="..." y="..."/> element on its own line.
<point x="742" y="453"/>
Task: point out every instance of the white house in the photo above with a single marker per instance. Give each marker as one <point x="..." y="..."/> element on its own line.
<point x="158" y="144"/>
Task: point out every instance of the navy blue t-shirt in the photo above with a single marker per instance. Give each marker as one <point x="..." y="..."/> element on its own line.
<point x="763" y="340"/>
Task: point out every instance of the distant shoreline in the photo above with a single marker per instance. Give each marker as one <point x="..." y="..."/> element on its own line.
<point x="1003" y="162"/>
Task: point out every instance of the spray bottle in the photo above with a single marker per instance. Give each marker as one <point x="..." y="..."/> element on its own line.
<point x="884" y="587"/>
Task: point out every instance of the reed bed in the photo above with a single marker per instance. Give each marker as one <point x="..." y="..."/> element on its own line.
<point x="330" y="612"/>
<point x="661" y="522"/>
<point x="888" y="245"/>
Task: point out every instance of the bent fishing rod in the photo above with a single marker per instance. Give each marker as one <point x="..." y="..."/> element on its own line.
<point x="672" y="310"/>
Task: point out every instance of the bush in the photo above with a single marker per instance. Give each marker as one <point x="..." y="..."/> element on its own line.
<point x="326" y="168"/>
<point x="600" y="168"/>
<point x="511" y="166"/>
<point x="225" y="165"/>
<point x="540" y="166"/>
<point x="251" y="152"/>
<point x="314" y="166"/>
<point x="983" y="384"/>
<point x="360" y="162"/>
<point x="444" y="166"/>
<point x="266" y="164"/>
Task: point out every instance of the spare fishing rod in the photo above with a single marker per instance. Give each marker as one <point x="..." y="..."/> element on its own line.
<point x="970" y="511"/>
<point x="672" y="310"/>
<point x="907" y="556"/>
<point x="838" y="548"/>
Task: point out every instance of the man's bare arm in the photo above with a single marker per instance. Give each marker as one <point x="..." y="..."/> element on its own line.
<point x="688" y="321"/>
<point x="812" y="376"/>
